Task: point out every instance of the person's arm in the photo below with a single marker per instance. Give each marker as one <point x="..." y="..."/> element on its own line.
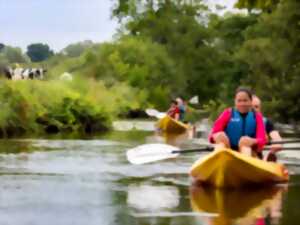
<point x="176" y="115"/>
<point x="260" y="132"/>
<point x="220" y="124"/>
<point x="275" y="136"/>
<point x="169" y="112"/>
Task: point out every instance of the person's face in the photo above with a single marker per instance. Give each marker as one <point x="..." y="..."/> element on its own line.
<point x="256" y="104"/>
<point x="243" y="102"/>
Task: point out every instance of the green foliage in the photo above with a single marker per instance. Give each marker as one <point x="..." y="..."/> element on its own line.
<point x="1" y="46"/>
<point x="272" y="53"/>
<point x="265" y="5"/>
<point x="53" y="106"/>
<point x="214" y="108"/>
<point x="230" y="30"/>
<point x="75" y="50"/>
<point x="181" y="27"/>
<point x="39" y="52"/>
<point x="9" y="55"/>
<point x="195" y="115"/>
<point x="138" y="63"/>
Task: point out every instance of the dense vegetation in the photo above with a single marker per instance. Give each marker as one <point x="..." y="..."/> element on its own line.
<point x="164" y="49"/>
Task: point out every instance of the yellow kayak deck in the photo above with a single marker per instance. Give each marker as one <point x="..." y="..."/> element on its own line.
<point x="170" y="125"/>
<point x="227" y="168"/>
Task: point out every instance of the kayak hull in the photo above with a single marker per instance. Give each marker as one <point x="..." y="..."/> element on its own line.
<point x="226" y="168"/>
<point x="169" y="125"/>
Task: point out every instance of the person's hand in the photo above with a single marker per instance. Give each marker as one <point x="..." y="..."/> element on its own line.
<point x="275" y="148"/>
<point x="247" y="141"/>
<point x="271" y="156"/>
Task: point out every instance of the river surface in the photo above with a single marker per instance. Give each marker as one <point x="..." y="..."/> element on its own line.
<point x="89" y="181"/>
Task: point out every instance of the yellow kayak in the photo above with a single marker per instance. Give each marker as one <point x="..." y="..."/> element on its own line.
<point x="169" y="125"/>
<point x="227" y="168"/>
<point x="227" y="206"/>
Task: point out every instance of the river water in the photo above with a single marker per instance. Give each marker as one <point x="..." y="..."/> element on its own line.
<point x="89" y="181"/>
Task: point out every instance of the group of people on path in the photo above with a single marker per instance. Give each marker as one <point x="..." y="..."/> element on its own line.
<point x="242" y="128"/>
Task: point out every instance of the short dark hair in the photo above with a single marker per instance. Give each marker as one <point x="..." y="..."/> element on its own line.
<point x="174" y="101"/>
<point x="244" y="89"/>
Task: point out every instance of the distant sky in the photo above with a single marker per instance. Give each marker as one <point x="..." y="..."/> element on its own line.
<point x="59" y="22"/>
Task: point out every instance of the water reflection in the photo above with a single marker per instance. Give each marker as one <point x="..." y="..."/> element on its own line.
<point x="54" y="181"/>
<point x="171" y="139"/>
<point x="148" y="198"/>
<point x="242" y="206"/>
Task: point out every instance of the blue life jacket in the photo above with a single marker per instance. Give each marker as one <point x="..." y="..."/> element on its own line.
<point x="239" y="126"/>
<point x="182" y="112"/>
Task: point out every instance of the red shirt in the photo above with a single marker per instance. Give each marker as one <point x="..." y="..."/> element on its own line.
<point x="173" y="111"/>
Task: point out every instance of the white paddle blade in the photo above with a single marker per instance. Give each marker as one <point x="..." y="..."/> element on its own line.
<point x="194" y="100"/>
<point x="161" y="115"/>
<point x="150" y="153"/>
<point x="155" y="113"/>
<point x="151" y="112"/>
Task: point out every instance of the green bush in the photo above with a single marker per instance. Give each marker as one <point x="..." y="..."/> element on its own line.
<point x="53" y="106"/>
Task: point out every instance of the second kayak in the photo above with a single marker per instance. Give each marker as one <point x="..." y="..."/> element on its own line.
<point x="169" y="125"/>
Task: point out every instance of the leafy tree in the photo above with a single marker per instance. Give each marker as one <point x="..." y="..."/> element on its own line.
<point x="39" y="52"/>
<point x="1" y="46"/>
<point x="10" y="54"/>
<point x="181" y="27"/>
<point x="265" y="5"/>
<point x="272" y="54"/>
<point x="230" y="30"/>
<point x="138" y="62"/>
<point x="229" y="33"/>
<point x="75" y="50"/>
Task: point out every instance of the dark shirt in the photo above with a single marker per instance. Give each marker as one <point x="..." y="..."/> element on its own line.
<point x="269" y="126"/>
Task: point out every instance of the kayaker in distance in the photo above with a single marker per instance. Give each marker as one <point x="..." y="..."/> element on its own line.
<point x="174" y="111"/>
<point x="240" y="128"/>
<point x="272" y="133"/>
<point x="182" y="108"/>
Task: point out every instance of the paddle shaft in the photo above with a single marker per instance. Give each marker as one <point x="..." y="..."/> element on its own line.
<point x="208" y="148"/>
<point x="283" y="142"/>
<point x="286" y="148"/>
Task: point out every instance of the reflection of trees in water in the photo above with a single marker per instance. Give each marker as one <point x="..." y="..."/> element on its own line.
<point x="12" y="146"/>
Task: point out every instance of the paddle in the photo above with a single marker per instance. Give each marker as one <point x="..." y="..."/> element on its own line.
<point x="283" y="142"/>
<point x="155" y="113"/>
<point x="285" y="148"/>
<point x="155" y="152"/>
<point x="194" y="100"/>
